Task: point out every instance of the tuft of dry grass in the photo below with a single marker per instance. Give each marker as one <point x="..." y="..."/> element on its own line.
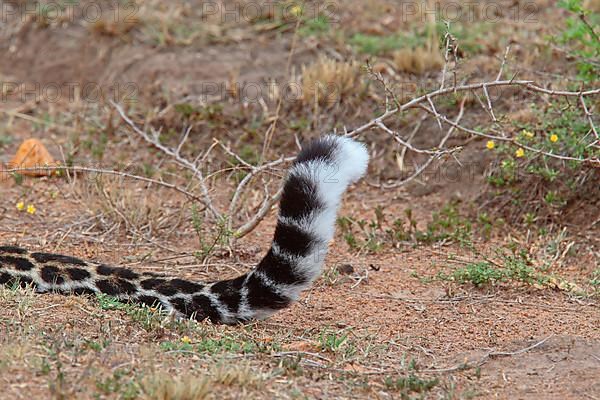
<point x="116" y="27"/>
<point x="421" y="59"/>
<point x="238" y="375"/>
<point x="418" y="60"/>
<point x="166" y="387"/>
<point x="188" y="387"/>
<point x="327" y="81"/>
<point x="117" y="22"/>
<point x="122" y="203"/>
<point x="592" y="5"/>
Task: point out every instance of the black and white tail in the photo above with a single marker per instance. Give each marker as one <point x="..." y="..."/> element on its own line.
<point x="312" y="194"/>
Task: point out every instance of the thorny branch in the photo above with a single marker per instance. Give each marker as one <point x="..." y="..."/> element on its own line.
<point x="195" y="168"/>
<point x="435" y="155"/>
<point x="415" y="102"/>
<point x="426" y="103"/>
<point x="175" y="154"/>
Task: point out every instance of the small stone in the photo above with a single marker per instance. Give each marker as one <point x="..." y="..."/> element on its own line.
<point x="345" y="269"/>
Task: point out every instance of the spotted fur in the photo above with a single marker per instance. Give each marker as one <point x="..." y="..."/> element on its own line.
<point x="305" y="226"/>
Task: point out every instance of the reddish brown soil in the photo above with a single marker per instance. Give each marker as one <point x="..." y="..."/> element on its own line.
<point x="503" y="341"/>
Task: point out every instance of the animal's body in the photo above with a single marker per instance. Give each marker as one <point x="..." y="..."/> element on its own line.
<point x="312" y="193"/>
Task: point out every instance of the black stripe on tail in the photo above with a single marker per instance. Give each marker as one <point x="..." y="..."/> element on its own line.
<point x="305" y="226"/>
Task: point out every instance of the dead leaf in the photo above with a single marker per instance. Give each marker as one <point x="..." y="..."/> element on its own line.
<point x="32" y="154"/>
<point x="301" y="345"/>
<point x="351" y="367"/>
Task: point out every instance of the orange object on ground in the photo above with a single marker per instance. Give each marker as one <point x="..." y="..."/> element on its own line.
<point x="31" y="154"/>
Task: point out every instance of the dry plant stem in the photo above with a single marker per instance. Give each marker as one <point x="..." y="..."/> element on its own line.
<point x="271" y="129"/>
<point x="435" y="155"/>
<point x="404" y="143"/>
<point x="588" y="115"/>
<point x="490" y="109"/>
<point x="237" y="195"/>
<point x="253" y="172"/>
<point x="435" y="111"/>
<point x="410" y="137"/>
<point x="427" y="99"/>
<point x="463" y="88"/>
<point x="389" y="93"/>
<point x="483" y="106"/>
<point x="268" y="202"/>
<point x="447" y="38"/>
<point x="508" y="140"/>
<point x="489" y="355"/>
<point x="418" y="102"/>
<point x="506" y="51"/>
<point x="175" y="154"/>
<point x="106" y="172"/>
<point x="262" y="212"/>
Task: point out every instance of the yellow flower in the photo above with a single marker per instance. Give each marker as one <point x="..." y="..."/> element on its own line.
<point x="31" y="209"/>
<point x="20" y="206"/>
<point x="554" y="138"/>
<point x="520" y="152"/>
<point x="296" y="10"/>
<point x="186" y="340"/>
<point x="490" y="144"/>
<point x="527" y="133"/>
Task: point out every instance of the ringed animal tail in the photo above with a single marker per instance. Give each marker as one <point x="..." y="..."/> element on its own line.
<point x="311" y="196"/>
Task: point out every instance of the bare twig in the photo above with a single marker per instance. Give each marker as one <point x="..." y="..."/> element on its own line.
<point x="486" y="357"/>
<point x="425" y="165"/>
<point x="102" y="171"/>
<point x="410" y="137"/>
<point x="450" y="44"/>
<point x="240" y="189"/>
<point x="426" y="103"/>
<point x="175" y="154"/>
<point x="490" y="109"/>
<point x="588" y="115"/>
<point x="509" y="140"/>
<point x="499" y="76"/>
<point x="389" y="93"/>
<point x="435" y="111"/>
<point x="404" y="143"/>
<point x="262" y="212"/>
<point x="415" y="102"/>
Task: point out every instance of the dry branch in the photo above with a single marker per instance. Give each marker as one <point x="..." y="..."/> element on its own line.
<point x="435" y="155"/>
<point x="466" y="88"/>
<point x="426" y="103"/>
<point x="195" y="168"/>
<point x="486" y="357"/>
<point x="75" y="169"/>
<point x="175" y="154"/>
